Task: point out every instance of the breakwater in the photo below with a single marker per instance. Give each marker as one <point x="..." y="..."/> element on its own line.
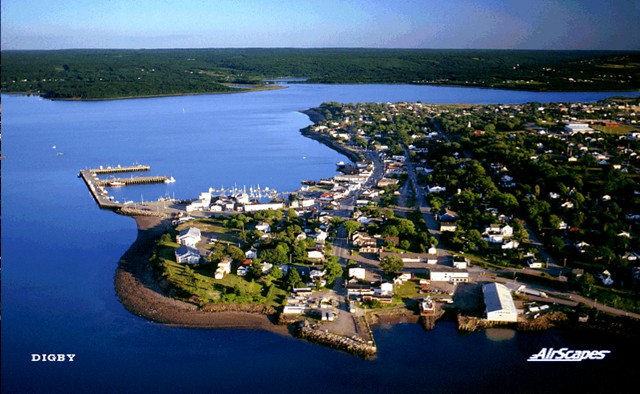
<point x="353" y="345"/>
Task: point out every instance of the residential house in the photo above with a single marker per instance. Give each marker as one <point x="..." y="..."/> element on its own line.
<point x="224" y="267"/>
<point x="385" y="289"/>
<point x="187" y="254"/>
<point x="496" y="233"/>
<point x="264" y="227"/>
<point x="251" y="253"/>
<point x="189" y="237"/>
<point x="357" y="273"/>
<point x="369" y="249"/>
<point x="314" y="254"/>
<point x="448" y="226"/>
<point x="460" y="262"/>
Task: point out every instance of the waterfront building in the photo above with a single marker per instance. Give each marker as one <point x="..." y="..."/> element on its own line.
<point x="499" y="303"/>
<point x="446" y="274"/>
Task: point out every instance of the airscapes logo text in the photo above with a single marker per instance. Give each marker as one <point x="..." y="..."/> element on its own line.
<point x="565" y="354"/>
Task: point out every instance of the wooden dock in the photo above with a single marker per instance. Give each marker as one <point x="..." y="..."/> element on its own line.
<point x="117" y="169"/>
<point x="99" y="194"/>
<point x="97" y="187"/>
<point x="140" y="180"/>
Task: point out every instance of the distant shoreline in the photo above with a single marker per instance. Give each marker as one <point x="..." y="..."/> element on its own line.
<point x="238" y="90"/>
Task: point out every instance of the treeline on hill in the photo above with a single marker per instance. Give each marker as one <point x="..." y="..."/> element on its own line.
<point x="88" y="74"/>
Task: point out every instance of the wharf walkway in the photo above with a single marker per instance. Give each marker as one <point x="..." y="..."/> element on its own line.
<point x="132" y="181"/>
<point x="114" y="170"/>
<point x="98" y="192"/>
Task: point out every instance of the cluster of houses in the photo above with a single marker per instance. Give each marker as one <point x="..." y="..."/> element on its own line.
<point x="351" y="179"/>
<point x="364" y="286"/>
<point x="239" y="201"/>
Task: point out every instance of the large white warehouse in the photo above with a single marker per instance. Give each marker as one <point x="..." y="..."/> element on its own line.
<point x="499" y="303"/>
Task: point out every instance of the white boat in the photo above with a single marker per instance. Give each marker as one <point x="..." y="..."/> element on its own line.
<point x="340" y="163"/>
<point x="116" y="184"/>
<point x="170" y="180"/>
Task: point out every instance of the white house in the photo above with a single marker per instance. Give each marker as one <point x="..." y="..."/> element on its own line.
<point x="497" y="234"/>
<point x="243" y="270"/>
<point x="315" y="255"/>
<point x="321" y="236"/>
<point x="264" y="227"/>
<point x="499" y="305"/>
<point x="224" y="267"/>
<point x="266" y="267"/>
<point x="189" y="237"/>
<point x="187" y="254"/>
<point x="358" y="273"/>
<point x="534" y="264"/>
<point x="251" y="253"/>
<point x="385" y="290"/>
<point x="512" y="244"/>
<point x="460" y="262"/>
<point x="448" y="226"/>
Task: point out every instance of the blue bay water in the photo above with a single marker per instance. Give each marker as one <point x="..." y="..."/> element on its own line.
<point x="60" y="253"/>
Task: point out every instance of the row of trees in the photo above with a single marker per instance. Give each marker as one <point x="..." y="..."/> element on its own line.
<point x="123" y="73"/>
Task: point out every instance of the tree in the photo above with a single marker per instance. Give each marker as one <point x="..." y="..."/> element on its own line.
<point x="406" y="227"/>
<point x="255" y="271"/>
<point x="293" y="279"/>
<point x="235" y="252"/>
<point x="333" y="270"/>
<point x="391" y="264"/>
<point x="276" y="273"/>
<point x="351" y="226"/>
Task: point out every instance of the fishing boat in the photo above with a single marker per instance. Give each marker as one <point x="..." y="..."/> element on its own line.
<point x="170" y="180"/>
<point x="116" y="184"/>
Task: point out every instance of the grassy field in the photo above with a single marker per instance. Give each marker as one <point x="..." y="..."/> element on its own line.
<point x="213" y="228"/>
<point x="198" y="280"/>
<point x="616" y="130"/>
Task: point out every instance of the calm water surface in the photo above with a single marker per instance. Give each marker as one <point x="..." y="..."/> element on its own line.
<point x="60" y="253"/>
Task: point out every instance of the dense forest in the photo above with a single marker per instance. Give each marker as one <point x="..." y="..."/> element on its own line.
<point x="99" y="74"/>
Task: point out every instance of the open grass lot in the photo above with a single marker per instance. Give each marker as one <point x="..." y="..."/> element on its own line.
<point x="198" y="280"/>
<point x="212" y="228"/>
<point x="617" y="130"/>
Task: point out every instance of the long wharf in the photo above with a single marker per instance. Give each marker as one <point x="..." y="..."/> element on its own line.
<point x="97" y="187"/>
<point x="132" y="181"/>
<point x="114" y="170"/>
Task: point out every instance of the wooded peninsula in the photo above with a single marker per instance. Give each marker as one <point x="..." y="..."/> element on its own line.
<point x="107" y="74"/>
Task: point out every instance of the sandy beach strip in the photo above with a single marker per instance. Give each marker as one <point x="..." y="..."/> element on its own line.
<point x="141" y="294"/>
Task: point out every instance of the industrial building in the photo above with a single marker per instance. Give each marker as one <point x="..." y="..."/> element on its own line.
<point x="499" y="303"/>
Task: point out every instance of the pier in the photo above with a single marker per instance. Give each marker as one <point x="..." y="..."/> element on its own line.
<point x="97" y="187"/>
<point x="114" y="170"/>
<point x="99" y="194"/>
<point x="141" y="180"/>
